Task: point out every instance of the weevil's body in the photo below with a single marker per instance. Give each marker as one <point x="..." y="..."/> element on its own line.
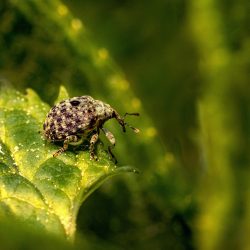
<point x="75" y="116"/>
<point x="73" y="119"/>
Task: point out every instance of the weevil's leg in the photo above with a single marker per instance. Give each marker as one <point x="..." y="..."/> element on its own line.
<point x="111" y="139"/>
<point x="109" y="135"/>
<point x="93" y="141"/>
<point x="112" y="155"/>
<point x="77" y="143"/>
<point x="69" y="140"/>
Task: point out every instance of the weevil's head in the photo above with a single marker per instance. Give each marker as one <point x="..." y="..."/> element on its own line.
<point x="105" y="112"/>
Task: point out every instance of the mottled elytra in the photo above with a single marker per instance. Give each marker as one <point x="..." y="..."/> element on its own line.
<point x="79" y="118"/>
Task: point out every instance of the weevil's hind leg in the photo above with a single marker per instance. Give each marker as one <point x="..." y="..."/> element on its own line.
<point x="111" y="139"/>
<point x="69" y="140"/>
<point x="112" y="155"/>
<point x="93" y="141"/>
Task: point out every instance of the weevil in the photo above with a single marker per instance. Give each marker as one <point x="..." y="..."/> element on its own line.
<point x="79" y="118"/>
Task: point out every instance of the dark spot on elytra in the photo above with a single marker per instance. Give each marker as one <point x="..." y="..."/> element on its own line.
<point x="74" y="103"/>
<point x="69" y="124"/>
<point x="63" y="105"/>
<point x="59" y="119"/>
<point x="68" y="115"/>
<point x="63" y="110"/>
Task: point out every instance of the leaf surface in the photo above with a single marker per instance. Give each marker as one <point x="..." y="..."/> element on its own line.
<point x="35" y="187"/>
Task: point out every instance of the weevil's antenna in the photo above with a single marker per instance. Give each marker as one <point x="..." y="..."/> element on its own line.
<point x="136" y="130"/>
<point x="136" y="114"/>
<point x="121" y="121"/>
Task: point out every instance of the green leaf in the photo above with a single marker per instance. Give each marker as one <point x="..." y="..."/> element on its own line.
<point x="63" y="94"/>
<point x="44" y="191"/>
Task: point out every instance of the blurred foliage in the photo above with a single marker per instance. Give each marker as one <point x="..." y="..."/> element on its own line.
<point x="188" y="62"/>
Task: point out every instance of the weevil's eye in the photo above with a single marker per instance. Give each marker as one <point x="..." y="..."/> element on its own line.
<point x="74" y="103"/>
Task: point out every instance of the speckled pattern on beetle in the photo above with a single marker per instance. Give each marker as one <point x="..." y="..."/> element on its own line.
<point x="79" y="118"/>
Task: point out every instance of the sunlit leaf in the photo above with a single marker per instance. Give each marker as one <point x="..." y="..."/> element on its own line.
<point x="35" y="187"/>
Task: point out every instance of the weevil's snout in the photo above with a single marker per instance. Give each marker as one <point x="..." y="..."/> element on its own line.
<point x="122" y="122"/>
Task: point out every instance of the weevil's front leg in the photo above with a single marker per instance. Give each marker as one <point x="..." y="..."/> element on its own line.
<point x="71" y="139"/>
<point x="93" y="141"/>
<point x="109" y="136"/>
<point x="111" y="139"/>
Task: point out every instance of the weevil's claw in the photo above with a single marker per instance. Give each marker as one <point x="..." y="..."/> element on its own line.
<point x="93" y="157"/>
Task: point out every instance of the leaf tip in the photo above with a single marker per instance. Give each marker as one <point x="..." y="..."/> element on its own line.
<point x="127" y="169"/>
<point x="62" y="94"/>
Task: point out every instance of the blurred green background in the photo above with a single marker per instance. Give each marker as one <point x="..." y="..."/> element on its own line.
<point x="185" y="66"/>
